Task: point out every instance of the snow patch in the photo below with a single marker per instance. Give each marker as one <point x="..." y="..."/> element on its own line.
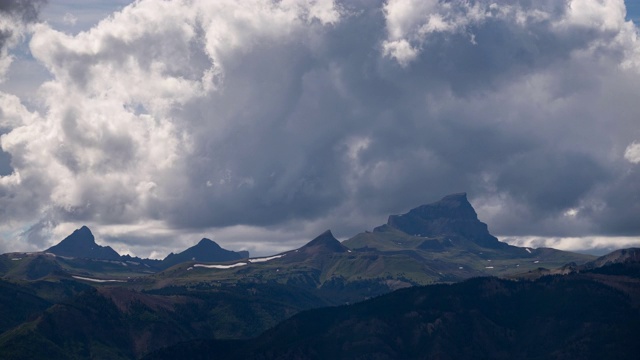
<point x="95" y="280"/>
<point x="220" y="266"/>
<point x="488" y="267"/>
<point x="528" y="250"/>
<point x="537" y="261"/>
<point x="257" y="260"/>
<point x="16" y="259"/>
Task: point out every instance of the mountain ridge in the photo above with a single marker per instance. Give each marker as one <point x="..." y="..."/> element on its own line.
<point x="206" y="250"/>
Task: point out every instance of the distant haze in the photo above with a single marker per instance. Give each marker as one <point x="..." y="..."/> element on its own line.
<point x="260" y="124"/>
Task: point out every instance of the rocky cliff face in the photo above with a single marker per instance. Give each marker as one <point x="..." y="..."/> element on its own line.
<point x="452" y="216"/>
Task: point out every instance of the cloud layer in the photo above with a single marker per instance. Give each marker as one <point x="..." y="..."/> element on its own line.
<point x="193" y="117"/>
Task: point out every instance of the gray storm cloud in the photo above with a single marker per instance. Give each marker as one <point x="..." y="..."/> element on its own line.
<point x="293" y="116"/>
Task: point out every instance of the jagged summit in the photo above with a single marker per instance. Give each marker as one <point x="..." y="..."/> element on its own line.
<point x="324" y="242"/>
<point x="81" y="244"/>
<point x="453" y="215"/>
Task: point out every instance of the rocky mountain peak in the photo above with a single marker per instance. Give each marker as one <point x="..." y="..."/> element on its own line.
<point x="453" y="215"/>
<point x="80" y="236"/>
<point x="81" y="244"/>
<point x="325" y="242"/>
<point x="208" y="244"/>
<point x="454" y="206"/>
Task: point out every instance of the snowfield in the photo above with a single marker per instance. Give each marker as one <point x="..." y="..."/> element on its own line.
<point x="220" y="266"/>
<point x="257" y="260"/>
<point x="95" y="280"/>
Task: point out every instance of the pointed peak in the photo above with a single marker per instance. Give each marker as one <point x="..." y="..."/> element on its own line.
<point x="325" y="236"/>
<point x="208" y="243"/>
<point x="325" y="241"/>
<point x="81" y="243"/>
<point x="326" y="233"/>
<point x="81" y="235"/>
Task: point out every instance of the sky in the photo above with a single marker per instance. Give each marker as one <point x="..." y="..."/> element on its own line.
<point x="260" y="124"/>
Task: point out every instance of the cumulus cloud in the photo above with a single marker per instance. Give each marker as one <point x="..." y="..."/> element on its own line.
<point x="15" y="17"/>
<point x="632" y="153"/>
<point x="289" y="117"/>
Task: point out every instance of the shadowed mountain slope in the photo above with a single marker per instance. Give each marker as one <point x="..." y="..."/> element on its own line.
<point x="81" y="244"/>
<point x="577" y="316"/>
<point x="115" y="322"/>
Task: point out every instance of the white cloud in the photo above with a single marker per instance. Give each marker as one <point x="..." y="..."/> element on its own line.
<point x="70" y="19"/>
<point x="605" y="15"/>
<point x="401" y="50"/>
<point x="592" y="244"/>
<point x="632" y="153"/>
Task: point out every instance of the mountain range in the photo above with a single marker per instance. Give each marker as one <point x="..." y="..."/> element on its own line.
<point x="65" y="291"/>
<point x="81" y="245"/>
